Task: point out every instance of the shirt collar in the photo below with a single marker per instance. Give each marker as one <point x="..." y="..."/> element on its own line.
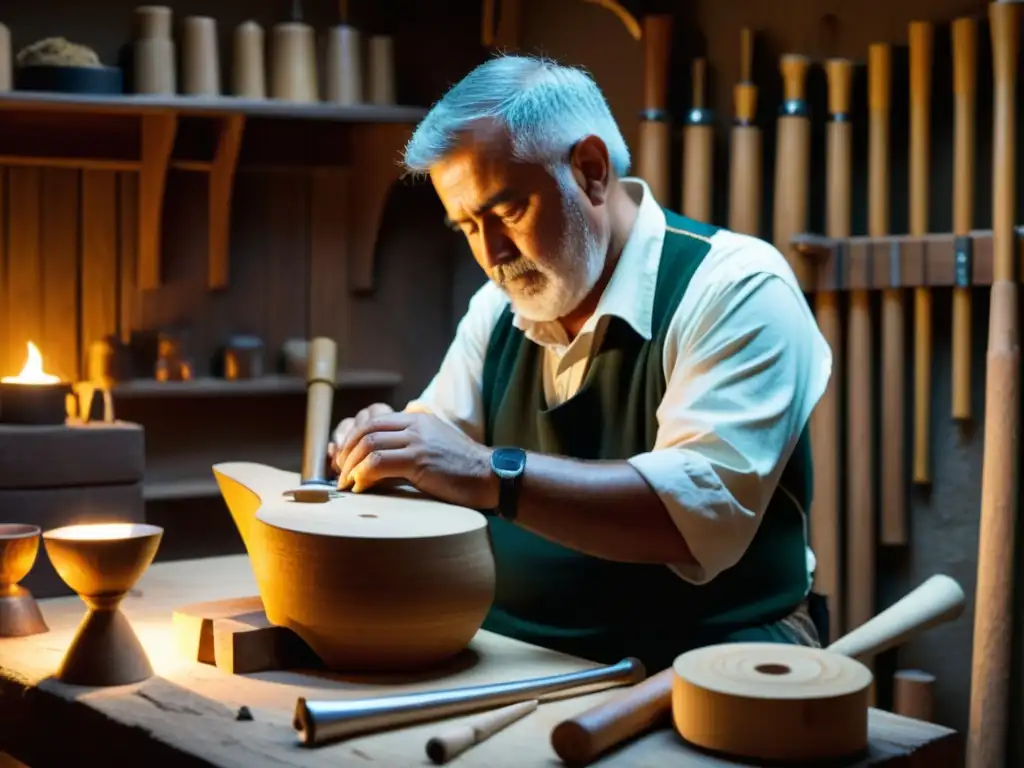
<point x="629" y="294"/>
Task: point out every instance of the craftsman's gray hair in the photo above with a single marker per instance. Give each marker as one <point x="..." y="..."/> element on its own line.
<point x="544" y="107"/>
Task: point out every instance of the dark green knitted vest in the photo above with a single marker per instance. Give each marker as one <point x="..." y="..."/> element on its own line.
<point x="602" y="610"/>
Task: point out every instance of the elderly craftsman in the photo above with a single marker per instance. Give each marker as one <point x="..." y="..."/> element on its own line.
<point x="627" y="396"/>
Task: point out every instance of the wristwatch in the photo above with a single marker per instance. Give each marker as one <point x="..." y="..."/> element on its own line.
<point x="508" y="464"/>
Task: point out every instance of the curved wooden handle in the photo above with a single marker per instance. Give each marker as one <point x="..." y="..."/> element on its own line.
<point x="657" y="39"/>
<point x="700" y="67"/>
<point x="840" y="82"/>
<point x="938" y="600"/>
<point x="794" y="76"/>
<point x="321" y="374"/>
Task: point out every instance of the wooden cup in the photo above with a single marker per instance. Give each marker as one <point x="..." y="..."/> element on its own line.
<point x="155" y="61"/>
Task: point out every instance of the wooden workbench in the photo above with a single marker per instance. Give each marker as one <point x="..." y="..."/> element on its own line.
<point x="186" y="715"/>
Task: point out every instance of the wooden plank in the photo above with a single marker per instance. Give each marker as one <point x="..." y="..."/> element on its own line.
<point x="130" y="311"/>
<point x="99" y="257"/>
<point x="328" y="258"/>
<point x="24" y="265"/>
<point x="60" y="272"/>
<point x="190" y="709"/>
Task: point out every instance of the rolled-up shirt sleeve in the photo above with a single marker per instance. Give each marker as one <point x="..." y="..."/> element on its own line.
<point x="745" y="365"/>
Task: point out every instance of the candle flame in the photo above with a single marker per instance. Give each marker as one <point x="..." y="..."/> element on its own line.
<point x="32" y="372"/>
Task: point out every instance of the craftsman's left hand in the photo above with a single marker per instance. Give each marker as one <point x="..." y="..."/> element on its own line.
<point x="421" y="449"/>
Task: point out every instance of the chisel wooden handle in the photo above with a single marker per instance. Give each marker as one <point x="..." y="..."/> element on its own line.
<point x="698" y="150"/>
<point x="581" y="739"/>
<point x="921" y="39"/>
<point x="655" y="136"/>
<point x="792" y="164"/>
<point x="321" y="374"/>
<point x="994" y="608"/>
<point x="965" y="68"/>
<point x="745" y="162"/>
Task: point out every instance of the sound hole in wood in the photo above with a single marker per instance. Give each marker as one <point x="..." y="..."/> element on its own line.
<point x="773" y="669"/>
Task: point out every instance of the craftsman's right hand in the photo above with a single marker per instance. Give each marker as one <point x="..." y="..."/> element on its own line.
<point x="345" y="427"/>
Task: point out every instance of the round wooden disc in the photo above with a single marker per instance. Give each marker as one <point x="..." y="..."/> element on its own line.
<point x="398" y="515"/>
<point x="771" y="701"/>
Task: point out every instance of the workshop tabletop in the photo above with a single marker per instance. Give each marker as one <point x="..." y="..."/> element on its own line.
<point x="187" y="713"/>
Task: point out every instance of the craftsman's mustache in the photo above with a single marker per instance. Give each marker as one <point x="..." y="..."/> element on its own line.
<point x="504" y="273"/>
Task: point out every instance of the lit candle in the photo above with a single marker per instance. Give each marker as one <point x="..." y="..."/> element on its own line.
<point x="33" y="396"/>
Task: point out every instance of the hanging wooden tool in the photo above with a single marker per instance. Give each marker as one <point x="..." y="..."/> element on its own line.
<point x="921" y="39"/>
<point x="994" y="605"/>
<point x="965" y="53"/>
<point x="793" y="168"/>
<point x="825" y="421"/>
<point x="655" y="150"/>
<point x="698" y="150"/>
<point x="745" y="150"/>
<point x="892" y="475"/>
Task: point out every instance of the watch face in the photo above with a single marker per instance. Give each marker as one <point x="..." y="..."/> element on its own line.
<point x="507" y="460"/>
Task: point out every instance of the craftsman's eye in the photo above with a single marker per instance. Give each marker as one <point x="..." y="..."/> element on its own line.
<point x="513" y="212"/>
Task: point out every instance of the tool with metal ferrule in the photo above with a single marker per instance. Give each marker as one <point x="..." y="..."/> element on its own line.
<point x="965" y="53"/>
<point x="745" y="149"/>
<point x="698" y="150"/>
<point x="993" y="616"/>
<point x="921" y="40"/>
<point x="793" y="164"/>
<point x="655" y="149"/>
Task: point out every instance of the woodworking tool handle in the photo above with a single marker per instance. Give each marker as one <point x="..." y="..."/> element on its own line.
<point x="994" y="606"/>
<point x="452" y="742"/>
<point x="698" y="152"/>
<point x="321" y="374"/>
<point x="965" y="67"/>
<point x="921" y="38"/>
<point x="655" y="138"/>
<point x="745" y="149"/>
<point x="581" y="739"/>
<point x="793" y="164"/>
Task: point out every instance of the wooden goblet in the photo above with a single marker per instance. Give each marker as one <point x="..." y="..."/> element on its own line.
<point x="101" y="562"/>
<point x="19" y="613"/>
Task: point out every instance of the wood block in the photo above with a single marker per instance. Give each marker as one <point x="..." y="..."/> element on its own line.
<point x="71" y="454"/>
<point x="55" y="507"/>
<point x="236" y="636"/>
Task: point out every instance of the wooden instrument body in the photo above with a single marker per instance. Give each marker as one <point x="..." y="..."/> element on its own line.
<point x="371" y="582"/>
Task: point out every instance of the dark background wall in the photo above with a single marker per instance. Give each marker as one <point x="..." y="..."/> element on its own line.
<point x="426" y="276"/>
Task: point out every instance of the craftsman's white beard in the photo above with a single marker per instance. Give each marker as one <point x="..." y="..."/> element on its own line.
<point x="554" y="289"/>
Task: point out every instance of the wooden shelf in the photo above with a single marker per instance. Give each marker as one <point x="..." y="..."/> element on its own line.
<point x="151" y="135"/>
<point x="262" y="386"/>
<point x="900" y="261"/>
<point x="219" y="106"/>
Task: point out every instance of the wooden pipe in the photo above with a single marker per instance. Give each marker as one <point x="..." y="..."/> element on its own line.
<point x="921" y="39"/>
<point x="825" y="420"/>
<point x="583" y="738"/>
<point x="321" y="375"/>
<point x="655" y="138"/>
<point x="793" y="164"/>
<point x="965" y="66"/>
<point x="745" y="165"/>
<point x="892" y="474"/>
<point x="698" y="150"/>
<point x="994" y="607"/>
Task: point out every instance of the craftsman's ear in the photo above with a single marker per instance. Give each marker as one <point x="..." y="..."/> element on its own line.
<point x="591" y="167"/>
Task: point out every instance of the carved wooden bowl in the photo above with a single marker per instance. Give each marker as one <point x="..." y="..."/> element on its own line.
<point x="371" y="582"/>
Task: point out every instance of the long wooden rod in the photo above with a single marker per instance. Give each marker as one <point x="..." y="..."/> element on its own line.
<point x="746" y="148"/>
<point x="655" y="136"/>
<point x="965" y="67"/>
<point x="793" y="164"/>
<point x="994" y="607"/>
<point x="921" y="43"/>
<point x="698" y="150"/>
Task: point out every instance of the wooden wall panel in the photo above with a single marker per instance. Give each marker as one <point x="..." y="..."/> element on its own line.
<point x="24" y="264"/>
<point x="61" y="289"/>
<point x="100" y="225"/>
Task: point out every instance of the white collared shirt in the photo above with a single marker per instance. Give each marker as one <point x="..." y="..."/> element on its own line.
<point x="744" y="363"/>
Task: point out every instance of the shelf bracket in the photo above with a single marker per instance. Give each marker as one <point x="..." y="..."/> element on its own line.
<point x="221" y="186"/>
<point x="158" y="132"/>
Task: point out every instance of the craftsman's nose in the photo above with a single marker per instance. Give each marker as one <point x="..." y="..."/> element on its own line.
<point x="495" y="245"/>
